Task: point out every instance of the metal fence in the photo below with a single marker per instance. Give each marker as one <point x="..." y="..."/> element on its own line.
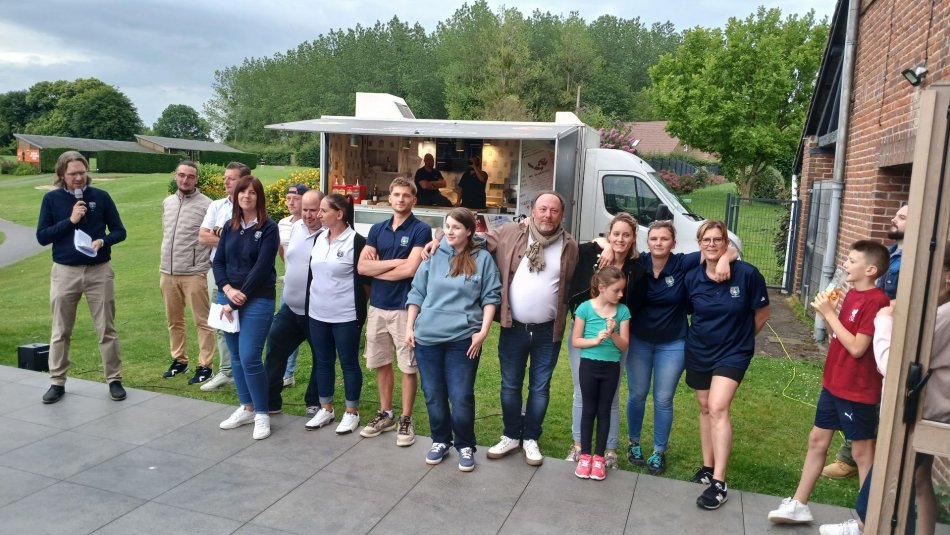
<point x="768" y="229"/>
<point x="679" y="166"/>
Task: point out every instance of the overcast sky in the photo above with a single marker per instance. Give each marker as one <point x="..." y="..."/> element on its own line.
<point x="165" y="52"/>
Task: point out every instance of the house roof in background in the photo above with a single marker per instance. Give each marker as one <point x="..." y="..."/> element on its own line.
<point x="81" y="144"/>
<point x="186" y="144"/>
<point x="654" y="139"/>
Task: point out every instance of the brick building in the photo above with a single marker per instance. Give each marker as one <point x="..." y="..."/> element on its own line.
<point x="892" y="35"/>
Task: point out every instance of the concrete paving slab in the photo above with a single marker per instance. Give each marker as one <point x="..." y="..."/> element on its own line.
<point x="447" y="499"/>
<point x="63" y="454"/>
<point x="664" y="506"/>
<point x="557" y="500"/>
<point x="65" y="508"/>
<point x="325" y="505"/>
<point x="17" y="433"/>
<point x="160" y="519"/>
<point x="363" y="465"/>
<point x="231" y="490"/>
<point x="143" y="472"/>
<point x="69" y="412"/>
<point x="136" y="424"/>
<point x="292" y="449"/>
<point x="203" y="438"/>
<point x="18" y="484"/>
<point x="756" y="507"/>
<point x="15" y="396"/>
<point x="191" y="407"/>
<point x="11" y="374"/>
<point x="257" y="529"/>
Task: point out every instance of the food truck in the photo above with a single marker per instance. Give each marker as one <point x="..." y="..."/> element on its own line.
<point x="362" y="154"/>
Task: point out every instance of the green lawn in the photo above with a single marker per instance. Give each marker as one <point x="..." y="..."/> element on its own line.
<point x="770" y="429"/>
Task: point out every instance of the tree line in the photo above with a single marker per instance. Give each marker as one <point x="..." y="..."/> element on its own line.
<point x="477" y="64"/>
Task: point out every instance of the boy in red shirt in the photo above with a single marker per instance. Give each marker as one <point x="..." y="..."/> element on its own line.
<point x="851" y="385"/>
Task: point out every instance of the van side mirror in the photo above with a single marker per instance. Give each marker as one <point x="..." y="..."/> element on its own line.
<point x="663" y="213"/>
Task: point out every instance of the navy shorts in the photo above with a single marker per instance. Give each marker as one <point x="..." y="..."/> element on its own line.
<point x="703" y="380"/>
<point x="858" y="421"/>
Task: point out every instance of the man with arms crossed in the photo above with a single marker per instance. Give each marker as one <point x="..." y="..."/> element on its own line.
<point x="392" y="254"/>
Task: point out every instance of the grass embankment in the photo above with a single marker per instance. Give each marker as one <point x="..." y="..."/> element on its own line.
<point x="771" y="428"/>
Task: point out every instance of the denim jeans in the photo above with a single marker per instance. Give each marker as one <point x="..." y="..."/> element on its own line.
<point x="246" y="346"/>
<point x="327" y="340"/>
<point x="515" y="345"/>
<point x="291" y="365"/>
<point x="664" y="363"/>
<point x="286" y="334"/>
<point x="613" y="438"/>
<point x="448" y="377"/>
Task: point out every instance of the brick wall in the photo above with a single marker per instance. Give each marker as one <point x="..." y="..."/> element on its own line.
<point x="892" y="35"/>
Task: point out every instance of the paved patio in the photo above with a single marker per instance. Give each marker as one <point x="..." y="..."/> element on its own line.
<point x="156" y="463"/>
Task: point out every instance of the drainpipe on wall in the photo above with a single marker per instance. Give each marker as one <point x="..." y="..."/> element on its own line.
<point x="837" y="181"/>
<point x="786" y="284"/>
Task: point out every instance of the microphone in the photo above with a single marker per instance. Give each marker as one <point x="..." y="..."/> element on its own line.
<point x="78" y="194"/>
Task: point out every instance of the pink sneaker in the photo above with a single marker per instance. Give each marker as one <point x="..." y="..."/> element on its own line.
<point x="598" y="469"/>
<point x="583" y="467"/>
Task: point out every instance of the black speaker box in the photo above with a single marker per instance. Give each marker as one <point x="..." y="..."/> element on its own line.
<point x="33" y="357"/>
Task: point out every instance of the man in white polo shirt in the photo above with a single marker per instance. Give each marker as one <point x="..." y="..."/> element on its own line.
<point x="292" y="197"/>
<point x="291" y="326"/>
<point x="219" y="214"/>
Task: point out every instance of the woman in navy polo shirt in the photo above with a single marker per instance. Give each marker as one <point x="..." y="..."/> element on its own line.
<point x="337" y="309"/>
<point x="720" y="341"/>
<point x="658" y="337"/>
<point x="244" y="270"/>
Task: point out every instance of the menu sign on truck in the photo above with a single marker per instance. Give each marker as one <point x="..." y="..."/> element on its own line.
<point x="537" y="172"/>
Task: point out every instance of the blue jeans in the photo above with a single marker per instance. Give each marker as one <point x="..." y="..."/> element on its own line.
<point x="246" y="346"/>
<point x="327" y="340"/>
<point x="291" y="366"/>
<point x="515" y="345"/>
<point x="613" y="437"/>
<point x="448" y="376"/>
<point x="664" y="363"/>
<point x="286" y="334"/>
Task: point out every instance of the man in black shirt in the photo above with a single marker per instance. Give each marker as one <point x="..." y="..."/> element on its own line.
<point x="428" y="181"/>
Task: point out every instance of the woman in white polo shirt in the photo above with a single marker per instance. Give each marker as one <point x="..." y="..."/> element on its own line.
<point x="337" y="309"/>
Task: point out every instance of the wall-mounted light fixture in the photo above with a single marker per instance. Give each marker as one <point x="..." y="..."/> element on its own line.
<point x="354" y="140"/>
<point x="459" y="145"/>
<point x="915" y="76"/>
<point x="486" y="143"/>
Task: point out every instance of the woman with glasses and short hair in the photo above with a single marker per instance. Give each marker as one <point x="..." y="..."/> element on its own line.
<point x="720" y="340"/>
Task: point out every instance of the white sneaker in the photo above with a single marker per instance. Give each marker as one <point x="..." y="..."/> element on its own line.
<point x="239" y="417"/>
<point x="289" y="381"/>
<point x="504" y="447"/>
<point x="790" y="512"/>
<point x="532" y="454"/>
<point x="216" y="382"/>
<point x="261" y="426"/>
<point x="848" y="527"/>
<point x="322" y="418"/>
<point x="348" y="423"/>
<point x="312" y="410"/>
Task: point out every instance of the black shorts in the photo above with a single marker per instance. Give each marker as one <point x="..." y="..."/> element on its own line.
<point x="703" y="380"/>
<point x="858" y="421"/>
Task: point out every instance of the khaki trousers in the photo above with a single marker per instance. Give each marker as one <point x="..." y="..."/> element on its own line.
<point x="67" y="286"/>
<point x="224" y="354"/>
<point x="191" y="290"/>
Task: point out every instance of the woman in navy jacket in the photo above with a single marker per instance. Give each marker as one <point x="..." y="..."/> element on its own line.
<point x="244" y="270"/>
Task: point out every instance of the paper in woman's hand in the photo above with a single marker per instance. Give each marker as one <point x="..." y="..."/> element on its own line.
<point x="218" y="320"/>
<point x="83" y="243"/>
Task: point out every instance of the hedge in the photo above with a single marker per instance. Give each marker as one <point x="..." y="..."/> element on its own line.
<point x="48" y="159"/>
<point x="224" y="158"/>
<point x="111" y="161"/>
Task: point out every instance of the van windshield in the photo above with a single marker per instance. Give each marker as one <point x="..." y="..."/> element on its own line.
<point x="676" y="204"/>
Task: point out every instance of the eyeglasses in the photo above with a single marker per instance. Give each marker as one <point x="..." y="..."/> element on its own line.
<point x="711" y="241"/>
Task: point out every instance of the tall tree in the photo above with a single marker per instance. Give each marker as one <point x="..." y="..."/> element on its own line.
<point x="183" y="122"/>
<point x="82" y="108"/>
<point x="742" y="93"/>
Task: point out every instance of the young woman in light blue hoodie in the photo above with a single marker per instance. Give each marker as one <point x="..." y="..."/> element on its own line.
<point x="453" y="295"/>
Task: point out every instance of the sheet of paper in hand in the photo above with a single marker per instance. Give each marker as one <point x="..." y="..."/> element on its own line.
<point x="83" y="243"/>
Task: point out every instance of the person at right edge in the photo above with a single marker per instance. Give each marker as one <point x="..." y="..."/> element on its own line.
<point x="844" y="466"/>
<point x="851" y="383"/>
<point x="75" y="205"/>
